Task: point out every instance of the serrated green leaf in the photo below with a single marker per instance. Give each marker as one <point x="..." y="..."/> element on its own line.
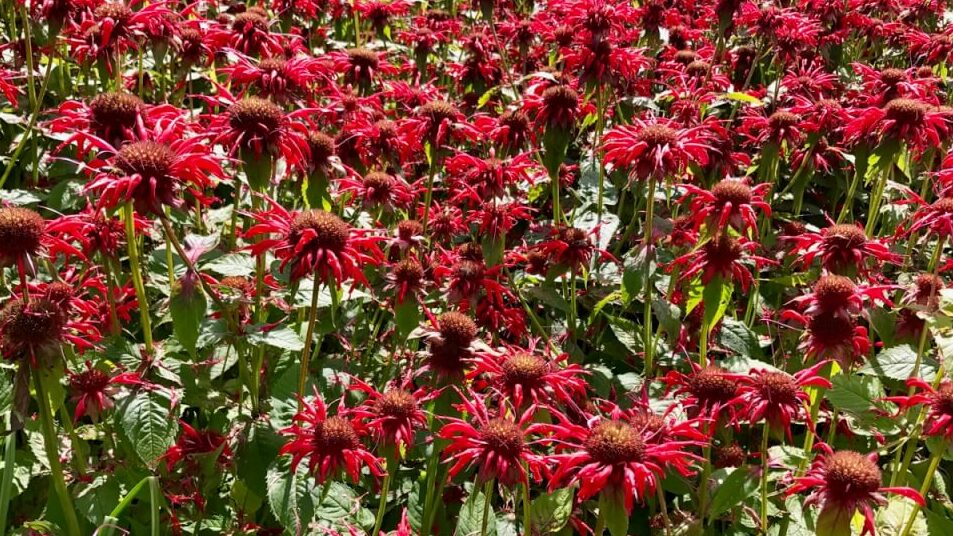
<point x="550" y="511"/>
<point x="188" y="311"/>
<point x="148" y="424"/>
<point x="736" y="336"/>
<point x="470" y="522"/>
<point x="281" y="337"/>
<point x="855" y="394"/>
<point x="898" y="363"/>
<point x="737" y="487"/>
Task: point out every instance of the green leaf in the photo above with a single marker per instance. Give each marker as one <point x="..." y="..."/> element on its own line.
<point x="147" y="422"/>
<point x="290" y="494"/>
<point x="736" y="488"/>
<point x="550" y="511"/>
<point x="283" y="337"/>
<point x="736" y="336"/>
<point x="897" y="363"/>
<point x="716" y="297"/>
<point x="470" y="522"/>
<point x="855" y="394"/>
<point x="407" y="315"/>
<point x="834" y="521"/>
<point x="612" y="509"/>
<point x="894" y="518"/>
<point x="549" y="297"/>
<point x="233" y="264"/>
<point x="188" y="312"/>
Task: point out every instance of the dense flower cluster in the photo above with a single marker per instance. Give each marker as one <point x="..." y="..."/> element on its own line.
<point x="495" y="266"/>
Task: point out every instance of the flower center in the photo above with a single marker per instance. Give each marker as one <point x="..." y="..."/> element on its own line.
<point x="255" y="115"/>
<point x="928" y="287"/>
<point x="457" y="328"/>
<point x="710" y="385"/>
<point x="275" y="65"/>
<point x="330" y="231"/>
<point x="248" y="22"/>
<point x="408" y="229"/>
<point x="322" y="148"/>
<point x="833" y="292"/>
<point x="851" y="474"/>
<point x="905" y="111"/>
<point x="408" y="272"/>
<point x="723" y="251"/>
<point x="731" y="191"/>
<point x="38" y="322"/>
<point x="782" y="119"/>
<point x="363" y="58"/>
<point x="469" y="271"/>
<point x="116" y="11"/>
<point x="685" y="57"/>
<point x="844" y="236"/>
<point x="89" y="381"/>
<point x="562" y="98"/>
<point x="778" y="387"/>
<point x="147" y="159"/>
<point x="115" y="110"/>
<point x="379" y="184"/>
<point x="396" y="403"/>
<point x="243" y="285"/>
<point x="892" y="77"/>
<point x="515" y="120"/>
<point x="830" y="329"/>
<point x="503" y="437"/>
<point x="944" y="205"/>
<point x="523" y="369"/>
<point x="729" y="456"/>
<point x="438" y="111"/>
<point x="21" y="231"/>
<point x="698" y="68"/>
<point x="612" y="442"/>
<point x="334" y="436"/>
<point x="658" y="135"/>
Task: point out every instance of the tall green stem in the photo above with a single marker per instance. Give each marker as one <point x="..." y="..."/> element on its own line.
<point x="764" y="477"/>
<point x="487" y="500"/>
<point x="52" y="452"/>
<point x="647" y="339"/>
<point x="132" y="247"/>
<point x="309" y="333"/>
<point x="935" y="460"/>
<point x="385" y="490"/>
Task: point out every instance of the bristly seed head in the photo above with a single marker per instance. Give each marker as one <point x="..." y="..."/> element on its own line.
<point x="115" y="110"/>
<point x="396" y="403"/>
<point x="363" y="58"/>
<point x="89" y="381"/>
<point x="438" y="111"/>
<point x="698" y="68"/>
<point x="711" y="385"/>
<point x="782" y="119"/>
<point x="457" y="328"/>
<point x="845" y="236"/>
<point x="408" y="272"/>
<point x="35" y="323"/>
<point x="892" y="77"/>
<point x="943" y="205"/>
<point x="658" y="136"/>
<point x="686" y="56"/>
<point x="523" y="368"/>
<point x="255" y="115"/>
<point x="408" y="229"/>
<point x="117" y="11"/>
<point x="779" y="387"/>
<point x="147" y="159"/>
<point x="731" y="191"/>
<point x="905" y="111"/>
<point x="330" y="232"/>
<point x="322" y="148"/>
<point x="851" y="475"/>
<point x="249" y="21"/>
<point x="561" y="97"/>
<point x="21" y="232"/>
<point x="613" y="442"/>
<point x="833" y="292"/>
<point x="503" y="437"/>
<point x="334" y="436"/>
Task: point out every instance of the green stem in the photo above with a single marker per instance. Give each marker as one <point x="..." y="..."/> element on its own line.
<point x="600" y="524"/>
<point x="527" y="509"/>
<point x="487" y="499"/>
<point x="873" y="212"/>
<point x="52" y="452"/>
<point x="647" y="339"/>
<point x="935" y="460"/>
<point x="385" y="490"/>
<point x="764" y="476"/>
<point x="135" y="267"/>
<point x="9" y="464"/>
<point x="309" y="333"/>
<point x="154" y="495"/>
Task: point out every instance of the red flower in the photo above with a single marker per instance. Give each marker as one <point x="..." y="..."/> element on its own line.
<point x="521" y="376"/>
<point x="92" y="390"/>
<point x="192" y="443"/>
<point x="394" y="414"/>
<point x="918" y="124"/>
<point x="497" y="444"/>
<point x="729" y="202"/>
<point x="656" y="148"/>
<point x="330" y="443"/>
<point x="724" y="256"/>
<point x="935" y="218"/>
<point x="842" y="249"/>
<point x="151" y="172"/>
<point x="844" y="482"/>
<point x="612" y="455"/>
<point x="939" y="400"/>
<point x="778" y="397"/>
<point x="710" y="391"/>
<point x="25" y="236"/>
<point x="314" y="242"/>
<point x="278" y="78"/>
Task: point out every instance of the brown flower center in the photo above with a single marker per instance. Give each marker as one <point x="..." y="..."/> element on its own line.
<point x="249" y="21"/>
<point x="851" y="474"/>
<point x="833" y="292"/>
<point x="115" y="110"/>
<point x="731" y="191"/>
<point x="38" y="322"/>
<point x="503" y="437"/>
<point x="363" y="58"/>
<point x="658" y="135"/>
<point x="438" y="111"/>
<point x="612" y="442"/>
<point x="396" y="403"/>
<point x="457" y="329"/>
<point x="892" y="77"/>
<point x="562" y="98"/>
<point x="711" y="385"/>
<point x="698" y="68"/>
<point x="782" y="119"/>
<point x="944" y="205"/>
<point x="322" y="148"/>
<point x="254" y="115"/>
<point x="408" y="272"/>
<point x="778" y="387"/>
<point x="844" y="236"/>
<point x="334" y="436"/>
<point x="147" y="159"/>
<point x="118" y="12"/>
<point x="89" y="381"/>
<point x="905" y="111"/>
<point x="21" y="231"/>
<point x="523" y="369"/>
<point x="408" y="229"/>
<point x="330" y="232"/>
<point x="685" y="57"/>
